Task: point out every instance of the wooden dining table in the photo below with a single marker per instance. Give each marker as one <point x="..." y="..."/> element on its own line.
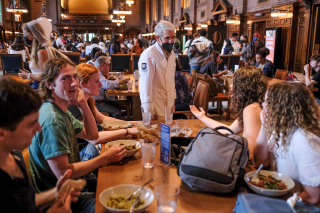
<point x="17" y="78"/>
<point x="228" y="79"/>
<point x="130" y="171"/>
<point x="134" y="94"/>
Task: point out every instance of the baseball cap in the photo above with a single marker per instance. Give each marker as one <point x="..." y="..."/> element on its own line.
<point x="256" y="35"/>
<point x="80" y="45"/>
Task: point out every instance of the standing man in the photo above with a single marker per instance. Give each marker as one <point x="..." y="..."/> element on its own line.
<point x="199" y="50"/>
<point x="188" y="43"/>
<point x="157" y="69"/>
<point x="145" y="43"/>
<point x="255" y="46"/>
<point x="115" y="47"/>
<point x="315" y="81"/>
<point x="59" y="42"/>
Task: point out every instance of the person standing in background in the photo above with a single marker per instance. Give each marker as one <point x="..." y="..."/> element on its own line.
<point x="245" y="50"/>
<point x="188" y="43"/>
<point x="157" y="70"/>
<point x="199" y="50"/>
<point x="255" y="46"/>
<point x="234" y="42"/>
<point x="145" y="43"/>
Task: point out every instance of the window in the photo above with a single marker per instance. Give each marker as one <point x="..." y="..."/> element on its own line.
<point x="154" y="10"/>
<point x="186" y="4"/>
<point x="166" y="7"/>
<point x="203" y="14"/>
<point x="176" y="6"/>
<point x="263" y="2"/>
<point x="147" y="11"/>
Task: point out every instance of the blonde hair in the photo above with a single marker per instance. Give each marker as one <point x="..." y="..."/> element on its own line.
<point x="290" y="106"/>
<point x="84" y="71"/>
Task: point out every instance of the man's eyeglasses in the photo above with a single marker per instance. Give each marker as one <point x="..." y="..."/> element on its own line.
<point x="107" y="65"/>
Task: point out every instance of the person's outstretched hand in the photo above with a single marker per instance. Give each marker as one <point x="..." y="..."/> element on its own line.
<point x="199" y="114"/>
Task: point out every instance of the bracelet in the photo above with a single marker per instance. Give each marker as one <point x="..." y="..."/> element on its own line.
<point x="29" y="76"/>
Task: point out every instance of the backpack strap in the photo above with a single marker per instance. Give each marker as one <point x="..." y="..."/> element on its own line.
<point x="225" y="128"/>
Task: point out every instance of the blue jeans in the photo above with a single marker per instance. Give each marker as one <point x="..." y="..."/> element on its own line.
<point x="110" y="107"/>
<point x="89" y="152"/>
<point x="196" y="68"/>
<point x="318" y="101"/>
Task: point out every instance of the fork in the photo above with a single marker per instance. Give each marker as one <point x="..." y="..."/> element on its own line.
<point x="135" y="193"/>
<point x="255" y="174"/>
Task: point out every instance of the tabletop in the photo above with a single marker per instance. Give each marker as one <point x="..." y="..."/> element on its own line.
<point x="130" y="171"/>
<point x="17" y="78"/>
<point x="135" y="89"/>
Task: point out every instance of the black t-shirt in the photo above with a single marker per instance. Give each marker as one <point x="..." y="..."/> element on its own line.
<point x="17" y="194"/>
<point x="210" y="68"/>
<point x="317" y="85"/>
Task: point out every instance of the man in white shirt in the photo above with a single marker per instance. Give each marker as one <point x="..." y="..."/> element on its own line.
<point x="60" y="43"/>
<point x="104" y="105"/>
<point x="95" y="42"/>
<point x="157" y="69"/>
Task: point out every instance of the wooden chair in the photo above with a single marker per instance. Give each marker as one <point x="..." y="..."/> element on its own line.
<point x="25" y="154"/>
<point x="200" y="99"/>
<point x="218" y="98"/>
<point x="11" y="62"/>
<point x="135" y="60"/>
<point x="184" y="62"/>
<point x="73" y="56"/>
<point x="124" y="105"/>
<point x="190" y="79"/>
<point x="120" y="62"/>
<point x="87" y="58"/>
<point x="281" y="74"/>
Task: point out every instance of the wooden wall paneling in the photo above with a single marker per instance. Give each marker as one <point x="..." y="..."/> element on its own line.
<point x="294" y="27"/>
<point x="305" y="49"/>
<point x="299" y="47"/>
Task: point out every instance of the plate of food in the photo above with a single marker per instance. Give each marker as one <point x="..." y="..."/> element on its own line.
<point x="271" y="184"/>
<point x="122" y="87"/>
<point x="114" y="125"/>
<point x="174" y="132"/>
<point x="113" y="198"/>
<point x="132" y="146"/>
<point x="148" y="133"/>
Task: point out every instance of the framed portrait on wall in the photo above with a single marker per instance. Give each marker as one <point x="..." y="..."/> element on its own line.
<point x="263" y="2"/>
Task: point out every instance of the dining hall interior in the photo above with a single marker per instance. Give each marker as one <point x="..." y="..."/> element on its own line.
<point x="159" y="106"/>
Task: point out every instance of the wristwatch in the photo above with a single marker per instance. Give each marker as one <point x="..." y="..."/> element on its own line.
<point x="29" y="76"/>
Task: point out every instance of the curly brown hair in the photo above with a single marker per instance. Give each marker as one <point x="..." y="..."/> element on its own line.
<point x="51" y="70"/>
<point x="249" y="86"/>
<point x="290" y="106"/>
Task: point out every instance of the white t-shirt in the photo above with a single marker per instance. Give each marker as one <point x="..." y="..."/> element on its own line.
<point x="301" y="162"/>
<point x="22" y="52"/>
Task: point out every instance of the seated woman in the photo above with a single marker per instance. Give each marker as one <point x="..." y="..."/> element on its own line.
<point x="228" y="49"/>
<point x="93" y="53"/>
<point x="264" y="64"/>
<point x="19" y="47"/>
<point x="183" y="91"/>
<point x="90" y="84"/>
<point x="248" y="89"/>
<point x="290" y="133"/>
<point x="210" y="66"/>
<point x="137" y="48"/>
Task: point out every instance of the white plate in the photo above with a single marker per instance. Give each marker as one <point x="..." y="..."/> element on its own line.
<point x="271" y="192"/>
<point x="126" y="142"/>
<point x="126" y="190"/>
<point x="114" y="125"/>
<point x="174" y="133"/>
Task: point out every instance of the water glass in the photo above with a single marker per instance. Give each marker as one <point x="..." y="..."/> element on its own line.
<point x="146" y="116"/>
<point x="167" y="198"/>
<point x="181" y="126"/>
<point x="1" y="74"/>
<point x="168" y="113"/>
<point x="129" y="84"/>
<point x="148" y="147"/>
<point x="121" y="75"/>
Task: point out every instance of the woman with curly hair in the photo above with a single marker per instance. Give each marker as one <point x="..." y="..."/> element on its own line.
<point x="249" y="87"/>
<point x="290" y="132"/>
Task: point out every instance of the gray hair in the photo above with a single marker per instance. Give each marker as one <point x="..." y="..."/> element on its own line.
<point x="162" y="26"/>
<point x="101" y="60"/>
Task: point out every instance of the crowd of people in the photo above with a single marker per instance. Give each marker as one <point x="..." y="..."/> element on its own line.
<point x="59" y="120"/>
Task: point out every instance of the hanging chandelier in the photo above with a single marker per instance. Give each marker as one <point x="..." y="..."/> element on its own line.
<point x="121" y="10"/>
<point x="17" y="7"/>
<point x="130" y="2"/>
<point x="43" y="12"/>
<point x="118" y="21"/>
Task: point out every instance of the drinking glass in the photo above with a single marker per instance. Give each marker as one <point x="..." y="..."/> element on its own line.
<point x="167" y="198"/>
<point x="121" y="75"/>
<point x="168" y="113"/>
<point x="1" y="74"/>
<point x="181" y="126"/>
<point x="146" y="116"/>
<point x="148" y="147"/>
<point x="129" y="84"/>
